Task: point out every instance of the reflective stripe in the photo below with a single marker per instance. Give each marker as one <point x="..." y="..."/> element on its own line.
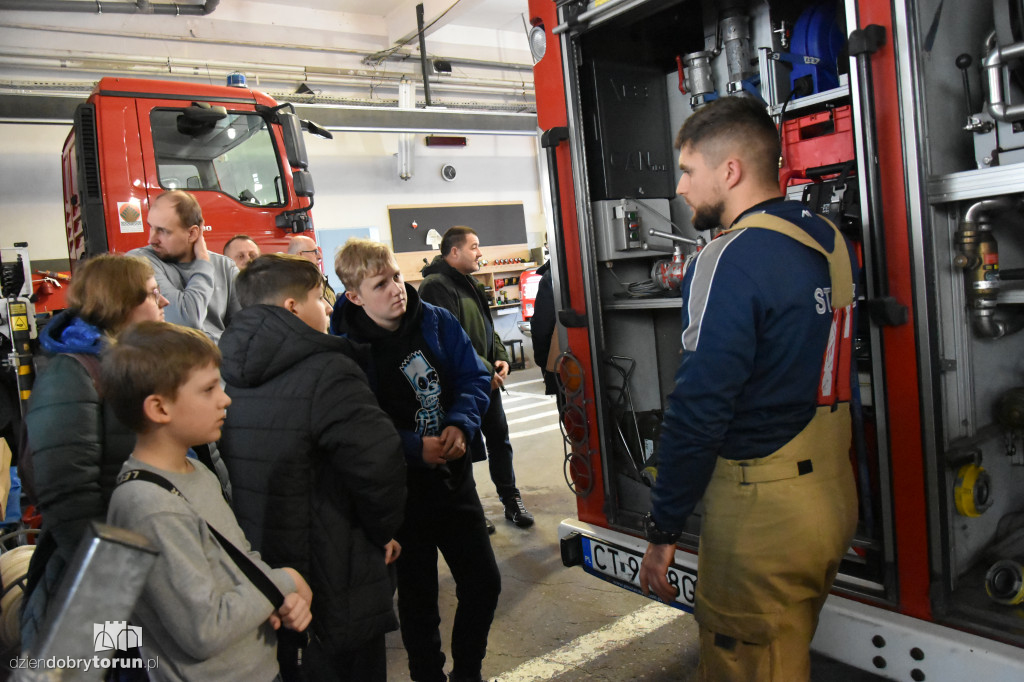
<point x="704" y="269"/>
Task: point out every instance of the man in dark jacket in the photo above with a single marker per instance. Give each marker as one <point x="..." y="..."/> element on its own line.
<point x="429" y="379"/>
<point x="317" y="467"/>
<point x="449" y="283"/>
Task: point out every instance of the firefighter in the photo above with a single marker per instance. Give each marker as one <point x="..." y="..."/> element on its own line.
<point x="758" y="422"/>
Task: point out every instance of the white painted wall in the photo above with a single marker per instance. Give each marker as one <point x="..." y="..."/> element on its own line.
<point x="31" y="195"/>
<point x="355" y="175"/>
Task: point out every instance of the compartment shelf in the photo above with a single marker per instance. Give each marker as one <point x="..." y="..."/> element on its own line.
<point x="976" y="184"/>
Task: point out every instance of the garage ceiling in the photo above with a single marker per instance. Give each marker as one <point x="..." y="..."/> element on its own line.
<point x="323" y="52"/>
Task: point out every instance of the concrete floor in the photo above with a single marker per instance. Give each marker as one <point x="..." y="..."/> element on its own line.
<point x="560" y="623"/>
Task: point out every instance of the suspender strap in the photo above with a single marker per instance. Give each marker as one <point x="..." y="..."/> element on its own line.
<point x="839" y="267"/>
<point x="257" y="577"/>
<point x="834" y="385"/>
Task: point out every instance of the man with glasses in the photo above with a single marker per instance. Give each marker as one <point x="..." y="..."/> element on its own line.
<point x="307" y="248"/>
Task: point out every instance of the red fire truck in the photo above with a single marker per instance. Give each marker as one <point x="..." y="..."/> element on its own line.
<point x="901" y="122"/>
<point x="240" y="152"/>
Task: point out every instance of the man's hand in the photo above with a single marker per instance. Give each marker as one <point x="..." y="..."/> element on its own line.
<point x="654" y="571"/>
<point x="392" y="551"/>
<point x="500" y="372"/>
<point x="199" y="249"/>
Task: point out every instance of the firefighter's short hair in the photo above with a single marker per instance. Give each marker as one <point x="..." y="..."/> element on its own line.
<point x="106" y="288"/>
<point x="455" y="237"/>
<point x="151" y="358"/>
<point x="185" y="205"/>
<point x="274" y="277"/>
<point x="736" y="124"/>
<point x="362" y="258"/>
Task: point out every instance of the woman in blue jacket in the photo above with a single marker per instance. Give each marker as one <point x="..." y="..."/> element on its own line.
<point x="79" y="446"/>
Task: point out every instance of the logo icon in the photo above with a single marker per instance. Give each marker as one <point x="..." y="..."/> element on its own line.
<point x="115" y="634"/>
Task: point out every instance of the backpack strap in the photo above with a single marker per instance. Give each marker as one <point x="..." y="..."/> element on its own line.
<point x="256" y="576"/>
<point x="91" y="364"/>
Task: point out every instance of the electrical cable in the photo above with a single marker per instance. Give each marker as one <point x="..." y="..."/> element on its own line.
<point x="653" y="210"/>
<point x="384" y="54"/>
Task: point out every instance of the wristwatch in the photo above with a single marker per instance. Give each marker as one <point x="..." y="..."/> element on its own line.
<point x="656" y="536"/>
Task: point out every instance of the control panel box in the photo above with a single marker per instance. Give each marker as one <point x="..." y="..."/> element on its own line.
<point x="621" y="228"/>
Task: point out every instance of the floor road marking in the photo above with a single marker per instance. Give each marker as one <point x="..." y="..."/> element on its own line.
<point x="532" y="417"/>
<point x="540" y="401"/>
<point x="516" y="397"/>
<point x="587" y="647"/>
<point x="523" y="383"/>
<point x="533" y="432"/>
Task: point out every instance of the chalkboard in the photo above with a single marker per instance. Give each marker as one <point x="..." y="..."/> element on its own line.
<point x="495" y="224"/>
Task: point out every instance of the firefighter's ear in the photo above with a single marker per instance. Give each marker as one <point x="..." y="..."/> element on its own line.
<point x="732" y="171"/>
<point x="194" y="232"/>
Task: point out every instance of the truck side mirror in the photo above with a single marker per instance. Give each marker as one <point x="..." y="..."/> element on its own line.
<point x="294" y="145"/>
<point x="303" y="182"/>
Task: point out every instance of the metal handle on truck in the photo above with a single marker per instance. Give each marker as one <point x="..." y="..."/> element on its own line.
<point x="884" y="309"/>
<point x="550" y="139"/>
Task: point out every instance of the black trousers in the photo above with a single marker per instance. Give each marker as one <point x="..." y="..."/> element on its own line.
<point x="455" y="526"/>
<point x="494" y="427"/>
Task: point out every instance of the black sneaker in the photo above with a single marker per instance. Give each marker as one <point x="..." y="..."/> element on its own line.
<point x="490" y="526"/>
<point x="516" y="512"/>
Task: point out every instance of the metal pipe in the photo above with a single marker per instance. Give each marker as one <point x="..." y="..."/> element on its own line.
<point x="585" y="17"/>
<point x="993" y="63"/>
<point x="104" y="7"/>
<point x="978" y="257"/>
<point x="186" y="68"/>
<point x="978" y="209"/>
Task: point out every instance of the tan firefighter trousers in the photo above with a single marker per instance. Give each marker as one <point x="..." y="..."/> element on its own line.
<point x="774" y="532"/>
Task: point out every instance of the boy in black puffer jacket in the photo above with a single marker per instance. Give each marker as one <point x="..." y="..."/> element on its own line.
<point x="316" y="466"/>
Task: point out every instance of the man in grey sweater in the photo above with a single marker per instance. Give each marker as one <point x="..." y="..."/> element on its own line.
<point x="199" y="285"/>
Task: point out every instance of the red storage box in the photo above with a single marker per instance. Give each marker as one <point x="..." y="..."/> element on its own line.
<point x="815" y="140"/>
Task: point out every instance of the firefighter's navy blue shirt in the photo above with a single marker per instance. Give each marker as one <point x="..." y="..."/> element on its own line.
<point x="756" y="319"/>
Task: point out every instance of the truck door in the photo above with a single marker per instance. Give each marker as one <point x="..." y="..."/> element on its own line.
<point x="631" y="74"/>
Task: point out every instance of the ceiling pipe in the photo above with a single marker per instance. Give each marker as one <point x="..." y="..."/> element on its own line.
<point x="113" y="64"/>
<point x="101" y="7"/>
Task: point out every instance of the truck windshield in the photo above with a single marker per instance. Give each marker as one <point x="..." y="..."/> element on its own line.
<point x="234" y="155"/>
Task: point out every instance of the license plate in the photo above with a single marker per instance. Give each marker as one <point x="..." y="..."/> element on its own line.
<point x="622" y="567"/>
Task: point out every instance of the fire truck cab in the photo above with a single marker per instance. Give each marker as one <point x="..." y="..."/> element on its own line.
<point x="240" y="152"/>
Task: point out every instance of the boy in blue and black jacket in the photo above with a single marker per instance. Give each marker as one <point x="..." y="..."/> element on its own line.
<point x="429" y="379"/>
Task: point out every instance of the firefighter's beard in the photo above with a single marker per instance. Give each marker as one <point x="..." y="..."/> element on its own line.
<point x="709" y="216"/>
